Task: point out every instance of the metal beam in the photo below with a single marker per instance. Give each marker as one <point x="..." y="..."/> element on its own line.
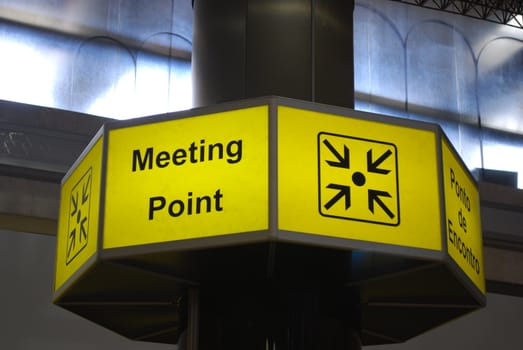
<point x="502" y="12"/>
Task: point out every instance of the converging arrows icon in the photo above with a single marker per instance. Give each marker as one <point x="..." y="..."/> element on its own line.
<point x="79" y="209"/>
<point x="353" y="184"/>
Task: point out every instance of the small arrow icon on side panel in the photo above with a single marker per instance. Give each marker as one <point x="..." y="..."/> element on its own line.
<point x="74" y="201"/>
<point x="72" y="243"/>
<point x="79" y="209"/>
<point x="83" y="230"/>
<point x="86" y="190"/>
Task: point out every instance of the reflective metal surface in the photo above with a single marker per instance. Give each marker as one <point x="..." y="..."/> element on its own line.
<point x="123" y="59"/>
<point x="308" y="56"/>
<point x="117" y="59"/>
<point x="461" y="73"/>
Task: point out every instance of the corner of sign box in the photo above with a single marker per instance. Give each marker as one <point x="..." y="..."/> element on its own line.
<point x="477" y="297"/>
<point x="100" y="133"/>
<point x="60" y="295"/>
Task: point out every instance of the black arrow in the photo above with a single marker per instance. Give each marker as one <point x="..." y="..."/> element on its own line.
<point x="83" y="231"/>
<point x="374" y="196"/>
<point x="72" y="239"/>
<point x="372" y="166"/>
<point x="343" y="161"/>
<point x="74" y="200"/>
<point x="85" y="190"/>
<point x="343" y="191"/>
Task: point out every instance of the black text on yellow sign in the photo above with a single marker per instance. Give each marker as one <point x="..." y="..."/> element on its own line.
<point x="459" y="218"/>
<point x="463" y="226"/>
<point x="202" y="152"/>
<point x="187" y="178"/>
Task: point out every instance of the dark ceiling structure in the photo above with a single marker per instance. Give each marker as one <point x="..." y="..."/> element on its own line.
<point x="502" y="12"/>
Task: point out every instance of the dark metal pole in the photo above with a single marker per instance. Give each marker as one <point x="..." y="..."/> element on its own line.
<point x="293" y="48"/>
<point x="290" y="318"/>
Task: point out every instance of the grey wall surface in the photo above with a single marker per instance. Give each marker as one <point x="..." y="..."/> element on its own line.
<point x="498" y="326"/>
<point x="124" y="59"/>
<point x="28" y="319"/>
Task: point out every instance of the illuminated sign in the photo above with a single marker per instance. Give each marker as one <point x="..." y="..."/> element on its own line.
<point x="463" y="220"/>
<point x="270" y="172"/>
<point x="79" y="214"/>
<point x="358" y="179"/>
<point x="246" y="190"/>
<point x="187" y="178"/>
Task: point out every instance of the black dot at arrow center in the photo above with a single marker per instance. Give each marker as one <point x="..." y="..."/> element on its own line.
<point x="358" y="179"/>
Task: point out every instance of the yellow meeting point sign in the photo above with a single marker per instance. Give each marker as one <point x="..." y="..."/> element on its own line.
<point x="187" y="178"/>
<point x="358" y="179"/>
<point x="79" y="211"/>
<point x="270" y="170"/>
<point x="463" y="221"/>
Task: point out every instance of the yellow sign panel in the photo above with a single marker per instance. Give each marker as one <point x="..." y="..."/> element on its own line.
<point x="463" y="221"/>
<point x="187" y="178"/>
<point x="357" y="179"/>
<point x="79" y="215"/>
